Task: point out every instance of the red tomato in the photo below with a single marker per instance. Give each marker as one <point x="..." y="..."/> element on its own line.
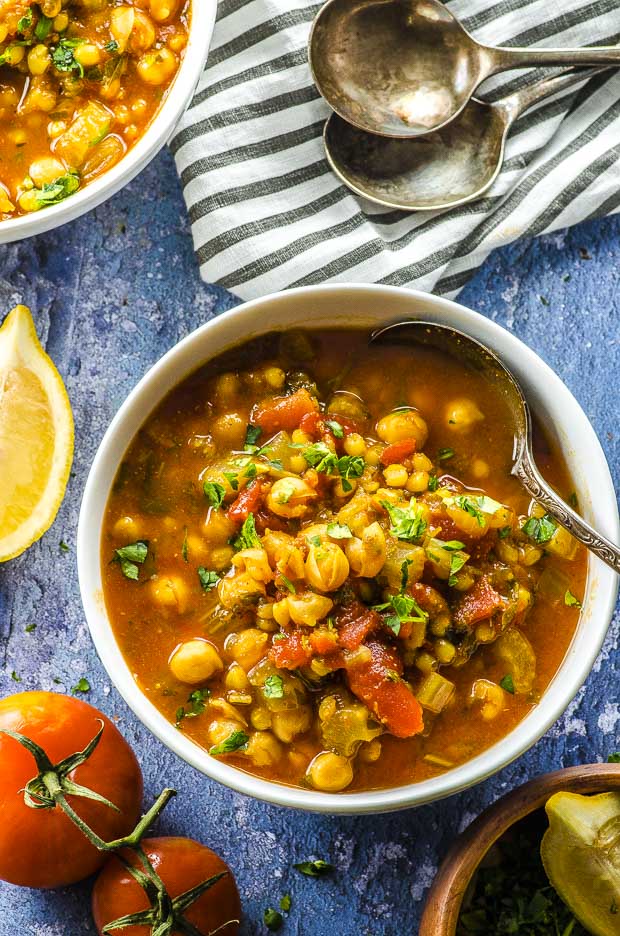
<point x="283" y="412"/>
<point x="42" y="847"/>
<point x="391" y="700"/>
<point x="398" y="451"/>
<point x="246" y="503"/>
<point x="181" y="864"/>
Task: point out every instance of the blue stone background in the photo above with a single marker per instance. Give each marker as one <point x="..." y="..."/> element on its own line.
<point x="110" y="293"/>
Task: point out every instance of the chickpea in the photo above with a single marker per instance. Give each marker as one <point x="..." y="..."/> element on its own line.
<point x="61" y="21"/>
<point x="127" y="528"/>
<point x="170" y="591"/>
<point x="41" y="96"/>
<point x="445" y="651"/>
<point x="290" y="497"/>
<point x="289" y="723"/>
<point x="274" y="377"/>
<point x="263" y="749"/>
<point x="162" y="10"/>
<point x="255" y="562"/>
<point x="51" y="8"/>
<point x="247" y="647"/>
<point x="260" y="719"/>
<point x="6" y="205"/>
<point x="143" y="32"/>
<point x="157" y="67"/>
<point x="13" y="55"/>
<point x="354" y="444"/>
<point x="229" y="430"/>
<point x="425" y="662"/>
<point x="491" y="696"/>
<point x="236" y="678"/>
<point x="45" y="170"/>
<point x="28" y="201"/>
<point x="420" y="462"/>
<point x="417" y="482"/>
<point x="403" y="424"/>
<point x="342" y="490"/>
<point x="307" y="608"/>
<point x="395" y="475"/>
<point x="326" y="567"/>
<point x="480" y="469"/>
<point x="373" y="456"/>
<point x="330" y="772"/>
<point x="55" y="128"/>
<point x="235" y="591"/>
<point x="218" y="529"/>
<point x="284" y="554"/>
<point x="370" y="751"/>
<point x="195" y="661"/>
<point x="222" y="728"/>
<point x="367" y="555"/>
<point x="122" y="21"/>
<point x="39" y="59"/>
<point x="462" y="414"/>
<point x="139" y="107"/>
<point x="87" y="54"/>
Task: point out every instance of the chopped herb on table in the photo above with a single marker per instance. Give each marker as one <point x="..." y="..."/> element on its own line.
<point x="272" y="919"/>
<point x="318" y="868"/>
<point x="82" y="685"/>
<point x="512" y="895"/>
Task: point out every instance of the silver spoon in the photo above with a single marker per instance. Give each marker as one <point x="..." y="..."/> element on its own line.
<point x="478" y="357"/>
<point x="445" y="169"/>
<point x="401" y="68"/>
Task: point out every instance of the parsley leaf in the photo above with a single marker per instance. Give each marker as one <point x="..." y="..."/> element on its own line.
<point x="433" y="482"/>
<point x="288" y="584"/>
<point x="129" y="555"/>
<point x="314" y="540"/>
<point x="184" y="546"/>
<point x="407" y="523"/>
<point x="614" y="758"/>
<point x="321" y="457"/>
<point x="457" y="561"/>
<point x="233" y="479"/>
<point x="29" y="628"/>
<point x="111" y="46"/>
<point x="237" y="741"/>
<point x="540" y="529"/>
<point x="314" y="869"/>
<point x="285" y="903"/>
<point x="208" y="578"/>
<point x="252" y="435"/>
<point x="64" y="59"/>
<point x="475" y="506"/>
<point x="504" y="532"/>
<point x="272" y="919"/>
<point x="335" y="427"/>
<point x="43" y="28"/>
<point x="445" y="454"/>
<point x="406" y="610"/>
<point x="273" y="687"/>
<point x="196" y="702"/>
<point x="58" y="190"/>
<point x="215" y="493"/>
<point x="570" y="601"/>
<point x="338" y="531"/>
<point x="82" y="685"/>
<point x="248" y="538"/>
<point x="15" y="677"/>
<point x="24" y="24"/>
<point x="507" y="684"/>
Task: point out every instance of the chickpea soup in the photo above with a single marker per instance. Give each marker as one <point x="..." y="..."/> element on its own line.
<point x="80" y="81"/>
<point x="319" y="567"/>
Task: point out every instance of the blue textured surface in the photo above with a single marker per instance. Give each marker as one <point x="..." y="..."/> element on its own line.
<point x="113" y="291"/>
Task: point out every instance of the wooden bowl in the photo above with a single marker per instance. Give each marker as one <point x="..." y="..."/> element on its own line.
<point x="443" y="904"/>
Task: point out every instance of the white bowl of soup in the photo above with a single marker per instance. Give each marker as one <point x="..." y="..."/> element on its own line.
<point x="308" y="570"/>
<point x="89" y="93"/>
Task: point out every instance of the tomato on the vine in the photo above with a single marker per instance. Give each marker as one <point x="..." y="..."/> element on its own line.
<point x="181" y="864"/>
<point x="39" y="844"/>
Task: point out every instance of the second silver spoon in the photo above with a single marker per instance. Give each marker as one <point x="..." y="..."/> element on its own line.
<point x="445" y="169"/>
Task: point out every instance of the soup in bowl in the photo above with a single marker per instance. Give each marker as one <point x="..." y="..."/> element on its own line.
<point x="320" y="571"/>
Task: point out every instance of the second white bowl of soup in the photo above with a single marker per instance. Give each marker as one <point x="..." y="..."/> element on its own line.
<point x="315" y="584"/>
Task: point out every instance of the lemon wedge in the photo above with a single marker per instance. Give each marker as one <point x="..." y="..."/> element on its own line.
<point x="36" y="436"/>
<point x="581" y="854"/>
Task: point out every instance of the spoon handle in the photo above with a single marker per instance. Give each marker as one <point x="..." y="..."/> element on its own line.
<point x="520" y="101"/>
<point x="501" y="58"/>
<point x="526" y="471"/>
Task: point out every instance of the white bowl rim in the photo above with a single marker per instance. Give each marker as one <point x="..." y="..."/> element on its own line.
<point x="601" y="591"/>
<point x="159" y="131"/>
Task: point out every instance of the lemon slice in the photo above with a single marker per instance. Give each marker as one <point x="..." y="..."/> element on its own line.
<point x="36" y="436"/>
<point x="581" y="854"/>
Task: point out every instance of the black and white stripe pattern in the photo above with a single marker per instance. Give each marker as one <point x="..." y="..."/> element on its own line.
<point x="268" y="213"/>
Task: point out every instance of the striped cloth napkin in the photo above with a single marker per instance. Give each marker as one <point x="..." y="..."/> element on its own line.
<point x="267" y="212"/>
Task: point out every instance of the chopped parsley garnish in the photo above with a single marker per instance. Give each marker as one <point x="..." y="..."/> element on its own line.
<point x="572" y="500"/>
<point x="233" y="479"/>
<point x="82" y="685"/>
<point x="184" y="546"/>
<point x="248" y="538"/>
<point x="273" y="687"/>
<point x="457" y="561"/>
<point x="475" y="506"/>
<point x="540" y="529"/>
<point x="63" y="547"/>
<point x="195" y="705"/>
<point x="504" y="532"/>
<point x="111" y="46"/>
<point x="433" y="482"/>
<point x="252" y="435"/>
<point x="338" y="531"/>
<point x="15" y="677"/>
<point x="507" y="684"/>
<point x="58" y="190"/>
<point x="321" y="457"/>
<point x="570" y="601"/>
<point x="614" y="758"/>
<point x="288" y="584"/>
<point x="208" y="578"/>
<point x="43" y="28"/>
<point x="314" y="540"/>
<point x="272" y="919"/>
<point x="64" y="59"/>
<point x="406" y="610"/>
<point x="335" y="427"/>
<point x="286" y="488"/>
<point x="237" y="741"/>
<point x="285" y="902"/>
<point x="407" y="523"/>
<point x="314" y="869"/>
<point x="445" y="454"/>
<point x="24" y="24"/>
<point x="29" y="628"/>
<point x="130" y="557"/>
<point x="215" y="493"/>
<point x="404" y="574"/>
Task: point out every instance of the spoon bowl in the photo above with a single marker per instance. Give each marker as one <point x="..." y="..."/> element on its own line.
<point x="479" y="358"/>
<point x="402" y="68"/>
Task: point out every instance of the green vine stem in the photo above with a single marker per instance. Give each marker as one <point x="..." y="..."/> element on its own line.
<point x="52" y="785"/>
